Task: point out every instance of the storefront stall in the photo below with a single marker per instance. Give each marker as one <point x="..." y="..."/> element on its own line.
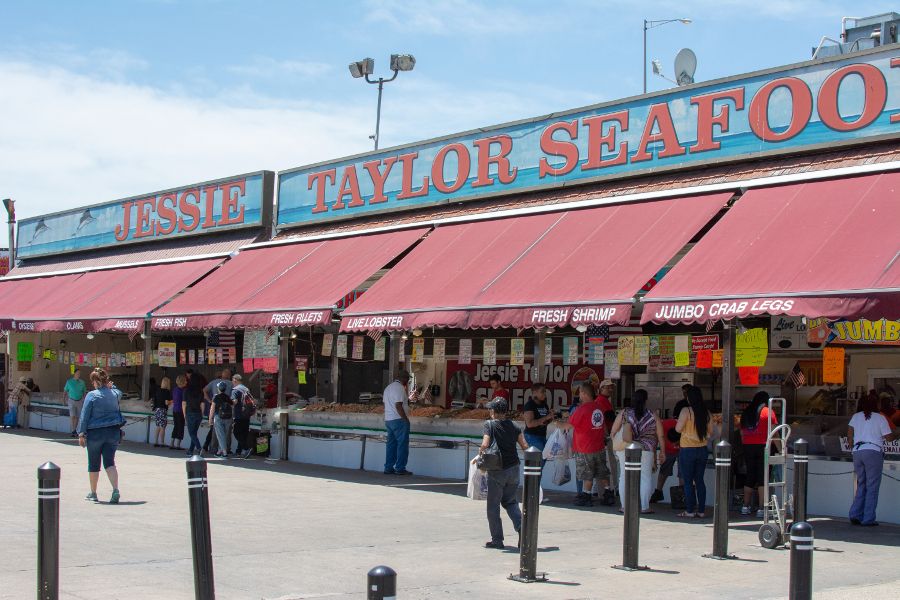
<point x="87" y="280"/>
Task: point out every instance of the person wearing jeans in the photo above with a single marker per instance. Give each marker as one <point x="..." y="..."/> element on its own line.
<point x="866" y="434"/>
<point x="193" y="415"/>
<point x="693" y="425"/>
<point x="396" y="421"/>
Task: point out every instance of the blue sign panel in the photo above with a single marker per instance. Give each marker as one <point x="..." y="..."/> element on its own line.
<point x="213" y="206"/>
<point x="804" y="106"/>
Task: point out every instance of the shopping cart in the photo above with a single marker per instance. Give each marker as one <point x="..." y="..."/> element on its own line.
<point x="776" y="494"/>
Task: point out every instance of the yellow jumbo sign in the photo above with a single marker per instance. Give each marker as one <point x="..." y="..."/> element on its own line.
<point x="863" y="331"/>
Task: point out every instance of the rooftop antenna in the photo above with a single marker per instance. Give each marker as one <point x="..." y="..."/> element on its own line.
<point x="685" y="66"/>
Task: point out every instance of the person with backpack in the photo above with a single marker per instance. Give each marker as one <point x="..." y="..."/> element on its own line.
<point x="638" y="424"/>
<point x="754" y="431"/>
<point x="220" y="417"/>
<point x="244" y="407"/>
<point x="503" y="483"/>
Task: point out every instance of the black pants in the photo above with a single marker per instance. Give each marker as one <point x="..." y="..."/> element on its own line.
<point x="241" y="430"/>
<point x="178" y="425"/>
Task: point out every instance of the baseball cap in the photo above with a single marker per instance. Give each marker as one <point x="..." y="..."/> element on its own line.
<point x="607" y="382"/>
<point x="498" y="405"/>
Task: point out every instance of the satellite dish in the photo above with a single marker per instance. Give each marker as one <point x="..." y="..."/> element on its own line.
<point x="685" y="66"/>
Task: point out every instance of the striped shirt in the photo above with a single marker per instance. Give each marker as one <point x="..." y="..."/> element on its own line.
<point x="643" y="431"/>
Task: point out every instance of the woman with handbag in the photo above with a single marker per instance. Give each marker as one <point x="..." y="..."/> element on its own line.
<point x="639" y="424"/>
<point x="499" y="458"/>
<point x="100" y="431"/>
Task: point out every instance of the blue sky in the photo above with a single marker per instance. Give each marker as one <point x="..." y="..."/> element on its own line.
<point x="102" y="100"/>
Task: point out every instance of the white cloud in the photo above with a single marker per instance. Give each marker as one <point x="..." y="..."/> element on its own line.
<point x="267" y="67"/>
<point x="76" y="139"/>
<point x="453" y="16"/>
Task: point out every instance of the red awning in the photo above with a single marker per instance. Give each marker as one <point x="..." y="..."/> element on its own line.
<point x="824" y="249"/>
<point x="284" y="286"/>
<point x="577" y="267"/>
<point x="108" y="300"/>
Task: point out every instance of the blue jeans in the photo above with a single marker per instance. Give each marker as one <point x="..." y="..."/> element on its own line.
<point x="223" y="433"/>
<point x="692" y="462"/>
<point x="538" y="442"/>
<point x="868" y="465"/>
<point x="503" y="489"/>
<point x="102" y="443"/>
<point x="193" y="426"/>
<point x="397" y="452"/>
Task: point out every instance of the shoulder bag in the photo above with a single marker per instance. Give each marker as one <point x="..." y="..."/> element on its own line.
<point x="490" y="459"/>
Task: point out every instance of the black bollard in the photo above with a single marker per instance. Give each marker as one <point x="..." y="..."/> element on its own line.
<point x="632" y="502"/>
<point x="382" y="584"/>
<point x="801" y="474"/>
<point x="201" y="542"/>
<point x="531" y="503"/>
<point x="48" y="532"/>
<point x="723" y="502"/>
<point x="801" y="561"/>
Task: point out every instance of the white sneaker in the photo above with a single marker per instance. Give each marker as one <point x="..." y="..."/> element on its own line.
<point x="745" y="510"/>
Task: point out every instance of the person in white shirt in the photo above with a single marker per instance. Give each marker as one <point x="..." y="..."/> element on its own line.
<point x="866" y="435"/>
<point x="396" y="421"/>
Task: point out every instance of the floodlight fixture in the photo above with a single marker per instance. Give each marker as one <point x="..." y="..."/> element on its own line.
<point x="403" y="62"/>
<point x="366" y="67"/>
<point x="362" y="68"/>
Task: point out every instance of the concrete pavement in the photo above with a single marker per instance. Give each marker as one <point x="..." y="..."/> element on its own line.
<point x="286" y="531"/>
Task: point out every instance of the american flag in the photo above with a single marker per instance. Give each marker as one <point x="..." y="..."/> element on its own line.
<point x="219" y="338"/>
<point x="375" y="334"/>
<point x="616" y="331"/>
<point x="796" y="376"/>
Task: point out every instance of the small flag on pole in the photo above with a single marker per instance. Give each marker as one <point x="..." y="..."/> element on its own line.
<point x="796" y="376"/>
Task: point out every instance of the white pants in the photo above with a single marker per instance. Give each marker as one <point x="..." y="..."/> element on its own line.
<point x="647" y="487"/>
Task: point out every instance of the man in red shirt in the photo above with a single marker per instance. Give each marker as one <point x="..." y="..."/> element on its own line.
<point x="497" y="389"/>
<point x="591" y="422"/>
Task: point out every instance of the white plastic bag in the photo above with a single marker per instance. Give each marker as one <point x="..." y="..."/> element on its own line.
<point x="559" y="446"/>
<point x="562" y="474"/>
<point x="477" y="488"/>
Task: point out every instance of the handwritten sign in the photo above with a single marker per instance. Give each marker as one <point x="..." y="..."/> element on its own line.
<point x="418" y="349"/>
<point x="642" y="349"/>
<point x="570" y="351"/>
<point x="833" y="365"/>
<point x="465" y="352"/>
<point x="439" y="349"/>
<point x="327" y="342"/>
<point x="611" y="367"/>
<point x="167" y="354"/>
<point x="359" y="344"/>
<point x="381" y="348"/>
<point x="718" y="358"/>
<point x="489" y="353"/>
<point x="517" y="351"/>
<point x="748" y="375"/>
<point x="341" y="347"/>
<point x="682" y="359"/>
<point x="704" y="359"/>
<point x="751" y="348"/>
<point x="24" y="352"/>
<point x="626" y="350"/>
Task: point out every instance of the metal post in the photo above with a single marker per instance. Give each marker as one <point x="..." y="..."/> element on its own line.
<point x="362" y="453"/>
<point x="284" y="416"/>
<point x="644" y="64"/>
<point x="723" y="502"/>
<point x="145" y="373"/>
<point x="381" y="584"/>
<point x="378" y="111"/>
<point x="48" y="532"/>
<point x="801" y="475"/>
<point x="392" y="356"/>
<point x="801" y="561"/>
<point x="531" y="504"/>
<point x="728" y="373"/>
<point x="632" y="503"/>
<point x="540" y="349"/>
<point x="201" y="543"/>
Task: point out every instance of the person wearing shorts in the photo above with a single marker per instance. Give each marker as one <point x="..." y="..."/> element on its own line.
<point x="589" y="442"/>
<point x="99" y="430"/>
<point x="75" y="390"/>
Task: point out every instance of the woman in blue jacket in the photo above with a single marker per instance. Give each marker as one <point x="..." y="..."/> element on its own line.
<point x="99" y="430"/>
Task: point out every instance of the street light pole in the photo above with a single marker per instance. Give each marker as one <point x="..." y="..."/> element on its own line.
<point x="651" y="25"/>
<point x="366" y="66"/>
<point x="381" y="81"/>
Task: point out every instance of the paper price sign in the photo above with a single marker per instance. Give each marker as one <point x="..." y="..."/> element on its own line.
<point x="751" y="348"/>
